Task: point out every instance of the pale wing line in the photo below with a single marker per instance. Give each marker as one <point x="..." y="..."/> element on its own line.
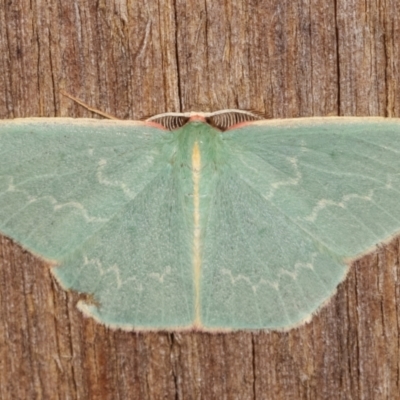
<point x="102" y="163"/>
<point x="160" y="276"/>
<point x="77" y="206"/>
<point x="329" y="250"/>
<point x="290" y="182"/>
<point x="55" y="203"/>
<point x="279" y="135"/>
<point x="317" y="275"/>
<point x="266" y="269"/>
<point x="74" y="172"/>
<point x="96" y="167"/>
<point x="78" y="249"/>
<point x="114" y="269"/>
<point x="105" y="182"/>
<point x="115" y="215"/>
<point x="104" y="226"/>
<point x="331" y="172"/>
<point x="56" y="206"/>
<point x="294" y="182"/>
<point x="272" y="284"/>
<point x="39" y="156"/>
<point x="297" y="265"/>
<point x="269" y="199"/>
<point x="346" y="198"/>
<point x="301" y="228"/>
<point x="337" y="133"/>
<point x="311" y="236"/>
<point x="50" y="199"/>
<point x="311" y="217"/>
<point x="16" y="213"/>
<point x="246" y="278"/>
<point x="140" y="297"/>
<point x="294" y="222"/>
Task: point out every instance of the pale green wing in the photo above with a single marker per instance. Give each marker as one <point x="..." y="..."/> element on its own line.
<point x="103" y="200"/>
<point x="294" y="202"/>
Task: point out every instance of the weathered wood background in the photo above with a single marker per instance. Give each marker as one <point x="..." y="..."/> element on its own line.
<point x="287" y="58"/>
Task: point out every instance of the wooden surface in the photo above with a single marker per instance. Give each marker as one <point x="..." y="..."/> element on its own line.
<point x="287" y="58"/>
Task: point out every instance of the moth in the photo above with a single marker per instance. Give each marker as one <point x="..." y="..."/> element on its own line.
<point x="200" y="221"/>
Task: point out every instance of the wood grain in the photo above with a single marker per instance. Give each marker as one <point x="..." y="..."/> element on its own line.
<point x="287" y="58"/>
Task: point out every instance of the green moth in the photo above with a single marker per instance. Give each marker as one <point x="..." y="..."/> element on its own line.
<point x="193" y="221"/>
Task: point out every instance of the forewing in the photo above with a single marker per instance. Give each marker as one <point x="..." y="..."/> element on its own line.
<point x="103" y="201"/>
<point x="294" y="203"/>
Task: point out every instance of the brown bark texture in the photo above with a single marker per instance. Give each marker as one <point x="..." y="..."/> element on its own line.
<point x="286" y="58"/>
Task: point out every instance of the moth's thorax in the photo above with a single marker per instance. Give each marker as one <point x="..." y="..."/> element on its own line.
<point x="197" y="117"/>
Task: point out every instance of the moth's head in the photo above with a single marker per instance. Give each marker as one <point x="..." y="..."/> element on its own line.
<point x="221" y="120"/>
